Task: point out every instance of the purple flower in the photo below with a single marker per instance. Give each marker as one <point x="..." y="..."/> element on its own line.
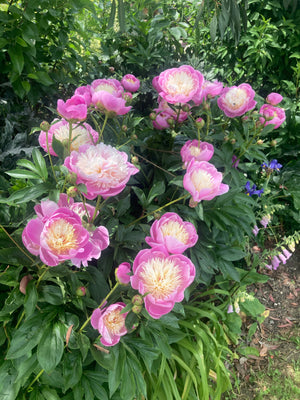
<point x="235" y="161"/>
<point x="255" y="230"/>
<point x="286" y="253"/>
<point x="271" y="166"/>
<point x="250" y="191"/>
<point x="275" y="262"/>
<point x="265" y="220"/>
<point x="230" y="309"/>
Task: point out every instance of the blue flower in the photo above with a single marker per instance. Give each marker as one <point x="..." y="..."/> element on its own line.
<point x="250" y="191"/>
<point x="272" y="166"/>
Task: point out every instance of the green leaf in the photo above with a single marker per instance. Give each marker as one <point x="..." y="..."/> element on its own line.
<point x="52" y="295"/>
<point x="9" y="388"/>
<point x="13" y="256"/>
<point x="51" y="347"/>
<point x="94" y="379"/>
<point x="40" y="164"/>
<point x="59" y="148"/>
<point x="10" y="276"/>
<point x="23" y="174"/>
<point x="26" y="337"/>
<point x="156" y="189"/>
<point x="50" y="394"/>
<point x="17" y="59"/>
<point x="72" y="369"/>
<point x="42" y="77"/>
<point x="106" y="361"/>
<point x="27" y="194"/>
<point x="25" y="368"/>
<point x="31" y="298"/>
<point x="231" y="253"/>
<point x="213" y="28"/>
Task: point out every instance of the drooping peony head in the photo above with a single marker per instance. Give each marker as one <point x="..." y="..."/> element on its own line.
<point x="122" y="273"/>
<point x="112" y="86"/>
<point x="195" y="150"/>
<point x="102" y="168"/>
<point x="274" y="98"/>
<point x="74" y="109"/>
<point x="110" y="323"/>
<point x="162" y="278"/>
<point x="130" y="83"/>
<point x="272" y="115"/>
<point x="209" y="90"/>
<point x="203" y="181"/>
<point x="85" y="92"/>
<point x="163" y="120"/>
<point x="172" y="233"/>
<point x="58" y="233"/>
<point x="110" y="104"/>
<point x="81" y="134"/>
<point x="179" y="85"/>
<point x="237" y="100"/>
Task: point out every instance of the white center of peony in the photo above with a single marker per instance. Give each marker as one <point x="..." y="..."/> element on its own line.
<point x="80" y="136"/>
<point x="235" y="98"/>
<point x="106" y="87"/>
<point x="105" y="164"/>
<point x="180" y="83"/>
<point x="195" y="151"/>
<point x="161" y="277"/>
<point x="176" y="230"/>
<point x="114" y="321"/>
<point x="202" y="180"/>
<point x="61" y="237"/>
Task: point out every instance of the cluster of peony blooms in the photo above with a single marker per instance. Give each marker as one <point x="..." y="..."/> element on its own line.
<point x="180" y="89"/>
<point x="159" y="274"/>
<point x="63" y="231"/>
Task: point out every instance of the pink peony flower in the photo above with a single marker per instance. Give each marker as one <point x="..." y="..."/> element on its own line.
<point x="109" y="103"/>
<point x="122" y="273"/>
<point x="172" y="233"/>
<point x="237" y="100"/>
<point x="58" y="234"/>
<point x="179" y="85"/>
<point x="203" y="181"/>
<point x="195" y="150"/>
<point x="155" y="84"/>
<point x="112" y="86"/>
<point x="272" y="115"/>
<point x="81" y="134"/>
<point x="102" y="168"/>
<point x="74" y="109"/>
<point x="85" y="92"/>
<point x="274" y="98"/>
<point x="110" y="323"/>
<point x="130" y="83"/>
<point x="162" y="278"/>
<point x="209" y="90"/>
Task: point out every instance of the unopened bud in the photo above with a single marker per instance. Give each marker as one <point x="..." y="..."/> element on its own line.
<point x="226" y="138"/>
<point x="124" y="128"/>
<point x="192" y="203"/>
<point x="273" y="143"/>
<point x="111" y="69"/>
<point x="259" y="142"/>
<point x="45" y="126"/>
<point x="81" y="291"/>
<point x="136" y="309"/>
<point x="72" y="191"/>
<point x="24" y="282"/>
<point x="200" y="122"/>
<point x="171" y="122"/>
<point x="156" y="215"/>
<point x="133" y="137"/>
<point x="137" y="300"/>
<point x="152" y="116"/>
<point x="233" y="141"/>
<point x="134" y="160"/>
<point x="206" y="106"/>
<point x="185" y="108"/>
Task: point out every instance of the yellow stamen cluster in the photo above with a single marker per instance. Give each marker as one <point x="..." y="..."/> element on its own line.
<point x="61" y="237"/>
<point x="202" y="180"/>
<point x="176" y="230"/>
<point x="114" y="321"/>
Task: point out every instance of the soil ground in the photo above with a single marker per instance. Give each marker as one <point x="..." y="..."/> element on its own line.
<point x="275" y="373"/>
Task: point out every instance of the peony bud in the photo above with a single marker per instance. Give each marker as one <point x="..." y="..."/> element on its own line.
<point x="24" y="282"/>
<point x="152" y="116"/>
<point x="137" y="300"/>
<point x="81" y="291"/>
<point x="45" y="126"/>
<point x="136" y="309"/>
<point x="273" y="143"/>
<point x="72" y="191"/>
<point x="124" y="128"/>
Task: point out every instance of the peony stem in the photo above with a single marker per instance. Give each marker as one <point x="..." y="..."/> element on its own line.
<point x="100" y="305"/>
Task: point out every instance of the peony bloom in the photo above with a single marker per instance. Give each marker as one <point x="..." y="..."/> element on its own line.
<point x="110" y="323"/>
<point x="102" y="168"/>
<point x="172" y="233"/>
<point x="155" y="84"/>
<point x="162" y="279"/>
<point x="196" y="150"/>
<point x="109" y="103"/>
<point x="203" y="181"/>
<point x="112" y="86"/>
<point x="58" y="234"/>
<point x="179" y="85"/>
<point x="274" y="99"/>
<point x="237" y="100"/>
<point x="209" y="90"/>
<point x="130" y="83"/>
<point x="122" y="273"/>
<point x="74" y="109"/>
<point x="85" y="92"/>
<point x="81" y="134"/>
<point x="272" y="115"/>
